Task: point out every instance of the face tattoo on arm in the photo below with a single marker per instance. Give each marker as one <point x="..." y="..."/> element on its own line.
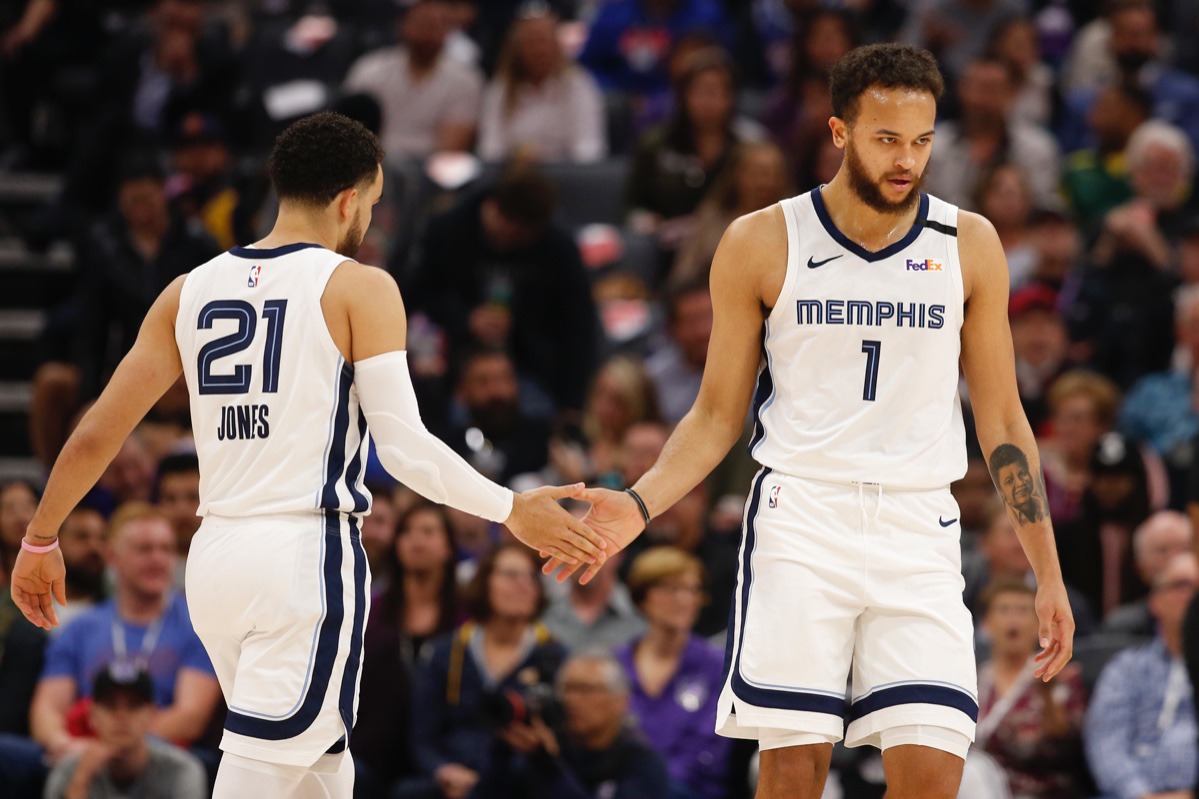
<point x="1020" y="489"/>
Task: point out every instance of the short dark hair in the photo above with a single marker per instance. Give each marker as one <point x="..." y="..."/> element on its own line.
<point x="322" y="155"/>
<point x="887" y="65"/>
<point x="1007" y="455"/>
<point x="523" y="194"/>
<point x="1006" y="585"/>
<point x="478" y="593"/>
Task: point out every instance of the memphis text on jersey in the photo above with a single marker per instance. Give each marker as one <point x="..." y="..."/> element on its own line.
<point x="243" y="423"/>
<point x="870" y="313"/>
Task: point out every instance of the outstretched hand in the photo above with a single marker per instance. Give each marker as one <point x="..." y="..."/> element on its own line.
<point x="37" y="580"/>
<point x="539" y="522"/>
<point x="1056" y="630"/>
<point x="614" y="515"/>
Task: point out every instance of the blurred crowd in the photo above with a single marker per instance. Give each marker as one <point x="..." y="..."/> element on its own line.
<point x="558" y="177"/>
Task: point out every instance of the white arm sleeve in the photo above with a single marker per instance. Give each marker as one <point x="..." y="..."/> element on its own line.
<point x="412" y="454"/>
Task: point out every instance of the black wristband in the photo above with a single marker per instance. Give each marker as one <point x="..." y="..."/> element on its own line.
<point x="640" y="504"/>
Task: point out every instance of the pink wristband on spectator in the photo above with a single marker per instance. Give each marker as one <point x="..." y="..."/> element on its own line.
<point x="28" y="547"/>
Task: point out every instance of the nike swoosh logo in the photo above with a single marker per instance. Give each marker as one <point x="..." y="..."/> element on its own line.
<point x="946" y="523"/>
<point x="814" y="264"/>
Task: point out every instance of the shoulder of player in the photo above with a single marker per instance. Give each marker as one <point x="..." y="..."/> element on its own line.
<point x="980" y="251"/>
<point x="760" y="233"/>
<point x="355" y="282"/>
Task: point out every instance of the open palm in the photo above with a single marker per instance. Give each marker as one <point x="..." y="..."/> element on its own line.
<point x="615" y="516"/>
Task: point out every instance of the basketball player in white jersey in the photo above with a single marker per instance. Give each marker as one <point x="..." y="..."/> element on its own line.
<point x="864" y="294"/>
<point x="291" y="351"/>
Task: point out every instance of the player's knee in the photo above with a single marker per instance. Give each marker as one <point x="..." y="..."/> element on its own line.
<point x="795" y="772"/>
<point x="922" y="772"/>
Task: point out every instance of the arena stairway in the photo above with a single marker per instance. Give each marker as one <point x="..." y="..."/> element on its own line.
<point x="30" y="284"/>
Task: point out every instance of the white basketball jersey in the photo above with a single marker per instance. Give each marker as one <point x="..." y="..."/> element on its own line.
<point x="274" y="409"/>
<point x="860" y="381"/>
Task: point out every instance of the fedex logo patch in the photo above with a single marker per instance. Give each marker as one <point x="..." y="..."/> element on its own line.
<point x="256" y="271"/>
<point x="924" y="266"/>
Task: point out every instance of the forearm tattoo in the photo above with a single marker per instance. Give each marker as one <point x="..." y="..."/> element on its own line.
<point x="1021" y="490"/>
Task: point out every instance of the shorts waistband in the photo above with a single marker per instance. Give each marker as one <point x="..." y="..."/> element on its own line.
<point x="856" y="484"/>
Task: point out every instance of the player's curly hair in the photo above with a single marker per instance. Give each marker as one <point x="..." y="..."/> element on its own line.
<point x="322" y="155"/>
<point x="887" y="65"/>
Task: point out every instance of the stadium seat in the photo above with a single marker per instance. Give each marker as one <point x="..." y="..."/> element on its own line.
<point x="590" y="193"/>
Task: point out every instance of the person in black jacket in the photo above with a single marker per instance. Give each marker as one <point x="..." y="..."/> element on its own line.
<point x="595" y="754"/>
<point x="496" y="271"/>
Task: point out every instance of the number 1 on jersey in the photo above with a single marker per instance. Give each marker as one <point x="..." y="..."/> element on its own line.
<point x="872" y="350"/>
<point x="274" y="312"/>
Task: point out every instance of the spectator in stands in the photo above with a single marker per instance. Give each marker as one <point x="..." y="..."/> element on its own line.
<point x="1162" y="536"/>
<point x="540" y="103"/>
<point x="418" y="604"/>
<point x="178" y="494"/>
<point x="1041" y="342"/>
<point x="430" y="102"/>
<point x="974" y="493"/>
<point x="125" y="760"/>
<point x="81" y="540"/>
<point x="957" y="31"/>
<point x="797" y="116"/>
<point x="129" y="478"/>
<point x="999" y="559"/>
<point x="495" y="270"/>
<point x="600" y="613"/>
<point x="145" y="623"/>
<point x="756" y="178"/>
<point x="1014" y="41"/>
<point x="1095" y="549"/>
<point x="630" y="41"/>
<point x="379" y="536"/>
<point x="1135" y="45"/>
<point x="984" y="135"/>
<point x="1032" y="728"/>
<point x="1125" y="306"/>
<point x="1096" y="178"/>
<point x="1082" y="407"/>
<point x="675" y="165"/>
<point x="674" y="674"/>
<point x="621" y="395"/>
<point x="502" y="648"/>
<point x="495" y="435"/>
<point x="22" y="653"/>
<point x="1059" y="248"/>
<point x="1140" y="728"/>
<point x="1159" y="409"/>
<point x="201" y="187"/>
<point x="678" y="365"/>
<point x="18" y="501"/>
<point x="125" y="261"/>
<point x="1003" y="196"/>
<point x="594" y="756"/>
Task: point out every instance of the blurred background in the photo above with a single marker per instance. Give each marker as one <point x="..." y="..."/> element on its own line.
<point x="558" y="176"/>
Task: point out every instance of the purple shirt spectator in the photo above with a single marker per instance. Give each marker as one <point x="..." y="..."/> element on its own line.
<point x="678" y="722"/>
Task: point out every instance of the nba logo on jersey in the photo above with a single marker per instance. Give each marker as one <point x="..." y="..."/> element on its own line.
<point x="774" y="495"/>
<point x="255" y="271"/>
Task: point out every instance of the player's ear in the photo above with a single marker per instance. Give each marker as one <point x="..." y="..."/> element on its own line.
<point x="347" y="204"/>
<point x="840" y="131"/>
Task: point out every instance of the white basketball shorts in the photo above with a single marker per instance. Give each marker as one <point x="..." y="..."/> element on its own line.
<point x="280" y="603"/>
<point x="840" y="578"/>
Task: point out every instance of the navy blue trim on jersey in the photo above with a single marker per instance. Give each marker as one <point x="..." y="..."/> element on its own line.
<point x="914" y="694"/>
<point x="271" y="252"/>
<point x="859" y="250"/>
<point x="761" y="397"/>
<point x="355" y="467"/>
<point x="349" y="677"/>
<point x="326" y="652"/>
<point x="335" y="471"/>
<point x="948" y="230"/>
<point x="783" y="699"/>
